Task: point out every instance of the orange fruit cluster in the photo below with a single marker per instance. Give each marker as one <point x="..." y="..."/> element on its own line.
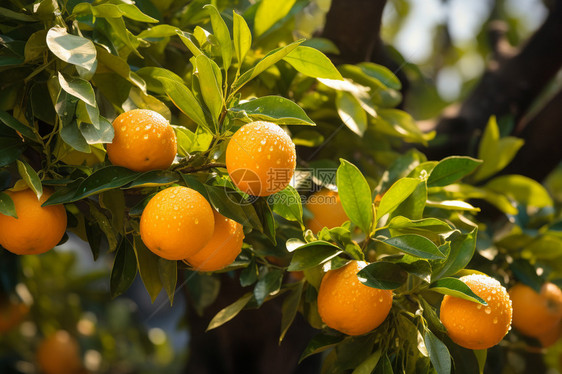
<point x="179" y="224"/>
<point x="475" y="326"/>
<point x="261" y="158"/>
<point x="347" y="305"/>
<point x="37" y="229"/>
<point x="143" y="140"/>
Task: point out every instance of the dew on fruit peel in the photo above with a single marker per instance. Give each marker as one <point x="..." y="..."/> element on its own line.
<point x="495" y="321"/>
<point x="488" y="310"/>
<point x="479" y="306"/>
<point x="196" y="221"/>
<point x="123" y="128"/>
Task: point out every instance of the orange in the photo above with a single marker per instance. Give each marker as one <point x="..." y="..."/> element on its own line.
<point x="176" y="223"/>
<point x="222" y="249"/>
<point x="536" y="314"/>
<point x="59" y="353"/>
<point x="11" y="315"/>
<point x="475" y="326"/>
<point x="326" y="207"/>
<point x="37" y="229"/>
<point x="347" y="305"/>
<point x="143" y="141"/>
<point x="261" y="158"/>
<point x="550" y="337"/>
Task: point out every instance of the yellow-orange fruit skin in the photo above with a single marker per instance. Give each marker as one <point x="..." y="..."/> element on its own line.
<point x="347" y="305"/>
<point x="550" y="337"/>
<point x="143" y="141"/>
<point x="37" y="229"/>
<point x="222" y="249"/>
<point x="326" y="207"/>
<point x="176" y="223"/>
<point x="536" y="314"/>
<point x="59" y="353"/>
<point x="261" y="158"/>
<point x="475" y="326"/>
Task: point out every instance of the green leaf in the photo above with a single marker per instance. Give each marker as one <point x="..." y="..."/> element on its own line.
<point x="308" y="138"/>
<point x="79" y="88"/>
<point x="124" y="269"/>
<point x="132" y="12"/>
<point x="269" y="60"/>
<point x="452" y="205"/>
<point x="495" y="152"/>
<point x="275" y="109"/>
<point x="35" y="46"/>
<point x="451" y="169"/>
<point x="269" y="12"/>
<point x="7" y="206"/>
<point x="5" y="12"/>
<point x="355" y="195"/>
<point x="147" y="263"/>
<point x="159" y="31"/>
<point x="396" y="194"/>
<point x="14" y="124"/>
<point x="30" y="177"/>
<point x="266" y="218"/>
<point x="369" y="364"/>
<point x="289" y="309"/>
<point x="456" y="287"/>
<point x="287" y="203"/>
<point x="210" y="85"/>
<point x="221" y="198"/>
<point x="313" y="63"/>
<point x="73" y="49"/>
<point x="72" y="135"/>
<point x="203" y="290"/>
<point x="383" y="275"/>
<point x="242" y="37"/>
<point x="186" y="38"/>
<point x="168" y="276"/>
<point x="320" y="343"/>
<point x="249" y="275"/>
<point x="154" y="178"/>
<point x="11" y="148"/>
<point x="184" y="99"/>
<point x="438" y="353"/>
<point x="267" y="284"/>
<point x="104" y="133"/>
<point x="522" y="189"/>
<point x="416" y="245"/>
<point x="351" y="112"/>
<point x="400" y="224"/>
<point x="462" y="250"/>
<point x="381" y="73"/>
<point x="481" y="355"/>
<point x="222" y="34"/>
<point x="229" y="312"/>
<point x="105" y="226"/>
<point x="313" y="254"/>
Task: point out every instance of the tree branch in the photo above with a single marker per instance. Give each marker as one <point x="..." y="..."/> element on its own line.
<point x="507" y="88"/>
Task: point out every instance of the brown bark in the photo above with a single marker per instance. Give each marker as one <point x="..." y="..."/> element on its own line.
<point x="507" y="88"/>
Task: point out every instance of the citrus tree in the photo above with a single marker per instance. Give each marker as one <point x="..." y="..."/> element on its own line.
<point x="205" y="142"/>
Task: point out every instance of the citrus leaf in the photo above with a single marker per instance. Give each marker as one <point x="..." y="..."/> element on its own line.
<point x="184" y="99"/>
<point x="451" y="169"/>
<point x="351" y="112"/>
<point x="438" y="353"/>
<point x="168" y="276"/>
<point x="14" y="124"/>
<point x="313" y="63"/>
<point x="7" y="206"/>
<point x="313" y="254"/>
<point x="320" y="343"/>
<point x="229" y="312"/>
<point x="269" y="12"/>
<point x="289" y="309"/>
<point x="288" y="204"/>
<point x="210" y="85"/>
<point x="416" y="245"/>
<point x="462" y="250"/>
<point x="522" y="189"/>
<point x="396" y="194"/>
<point x="242" y="37"/>
<point x="267" y="284"/>
<point x="73" y="49"/>
<point x="147" y="263"/>
<point x="369" y="364"/>
<point x="383" y="275"/>
<point x="124" y="269"/>
<point x="275" y="109"/>
<point x="30" y="177"/>
<point x="355" y="195"/>
<point x="456" y="287"/>
<point x="222" y="34"/>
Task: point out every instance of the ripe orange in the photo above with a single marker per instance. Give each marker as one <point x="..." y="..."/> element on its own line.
<point x="550" y="337"/>
<point x="536" y="314"/>
<point x="326" y="207"/>
<point x="59" y="353"/>
<point x="37" y="229"/>
<point x="475" y="326"/>
<point x="143" y="141"/>
<point x="261" y="158"/>
<point x="347" y="305"/>
<point x="11" y="315"/>
<point x="176" y="223"/>
<point x="223" y="247"/>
